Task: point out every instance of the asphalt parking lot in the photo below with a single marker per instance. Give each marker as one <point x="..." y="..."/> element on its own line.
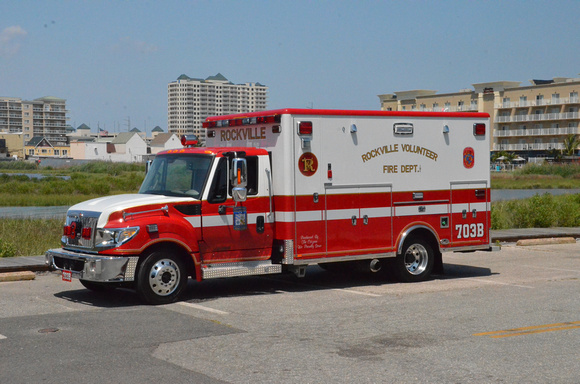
<point x="510" y="316"/>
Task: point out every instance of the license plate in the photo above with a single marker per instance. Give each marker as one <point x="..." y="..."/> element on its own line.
<point x="67" y="276"/>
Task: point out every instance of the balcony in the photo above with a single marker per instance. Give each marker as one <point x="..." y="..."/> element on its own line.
<point x="535" y="132"/>
<point x="528" y="147"/>
<point x="538" y="103"/>
<point x="537" y="117"/>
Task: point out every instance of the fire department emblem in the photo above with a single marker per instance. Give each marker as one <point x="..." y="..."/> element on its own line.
<point x="468" y="157"/>
<point x="308" y="164"/>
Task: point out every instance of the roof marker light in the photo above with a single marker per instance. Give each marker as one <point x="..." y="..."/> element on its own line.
<point x="305" y="128"/>
<point x="479" y="129"/>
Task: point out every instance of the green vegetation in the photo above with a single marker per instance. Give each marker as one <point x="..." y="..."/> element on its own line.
<point x="87" y="181"/>
<point x="534" y="176"/>
<point x="25" y="237"/>
<point x="29" y="237"/>
<point x="540" y="211"/>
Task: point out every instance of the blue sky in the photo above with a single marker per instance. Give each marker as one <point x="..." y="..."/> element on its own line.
<point x="112" y="60"/>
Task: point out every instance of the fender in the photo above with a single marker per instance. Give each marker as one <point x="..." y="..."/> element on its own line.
<point x="407" y="231"/>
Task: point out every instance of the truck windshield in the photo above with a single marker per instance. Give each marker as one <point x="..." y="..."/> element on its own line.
<point x="177" y="175"/>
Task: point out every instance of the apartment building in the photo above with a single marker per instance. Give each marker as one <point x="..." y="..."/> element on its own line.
<point x="530" y="120"/>
<point x="43" y="117"/>
<point x="190" y="101"/>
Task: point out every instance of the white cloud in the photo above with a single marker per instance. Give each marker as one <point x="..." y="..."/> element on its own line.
<point x="10" y="39"/>
<point x="128" y="44"/>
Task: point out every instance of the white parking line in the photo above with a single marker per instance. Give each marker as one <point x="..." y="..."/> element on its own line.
<point x="511" y="285"/>
<point x="201" y="307"/>
<point x="552" y="269"/>
<point x="357" y="292"/>
<point x="2" y="337"/>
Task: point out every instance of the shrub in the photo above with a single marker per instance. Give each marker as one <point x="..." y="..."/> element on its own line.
<point x="7" y="249"/>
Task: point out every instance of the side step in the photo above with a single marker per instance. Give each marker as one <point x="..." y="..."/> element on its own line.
<point x="247" y="268"/>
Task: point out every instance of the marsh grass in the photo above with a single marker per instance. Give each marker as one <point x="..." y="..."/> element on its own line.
<point x="29" y="237"/>
<point x="533" y="176"/>
<point x="540" y="211"/>
<point x="86" y="182"/>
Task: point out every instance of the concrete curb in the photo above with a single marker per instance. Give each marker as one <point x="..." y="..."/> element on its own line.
<point x="546" y="241"/>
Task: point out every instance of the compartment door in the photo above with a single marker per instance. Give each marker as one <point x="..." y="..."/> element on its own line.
<point x="470" y="214"/>
<point x="358" y="220"/>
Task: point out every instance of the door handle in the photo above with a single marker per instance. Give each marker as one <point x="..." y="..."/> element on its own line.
<point x="260" y="224"/>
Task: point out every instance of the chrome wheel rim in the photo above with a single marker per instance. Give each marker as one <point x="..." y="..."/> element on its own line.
<point x="416" y="259"/>
<point x="164" y="277"/>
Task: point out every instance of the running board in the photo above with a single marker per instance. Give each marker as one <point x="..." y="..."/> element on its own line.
<point x="248" y="268"/>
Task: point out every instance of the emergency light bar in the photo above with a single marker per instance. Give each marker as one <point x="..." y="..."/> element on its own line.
<point x="241" y="121"/>
<point x="189" y="140"/>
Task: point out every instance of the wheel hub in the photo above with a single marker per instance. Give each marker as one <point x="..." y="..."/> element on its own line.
<point x="416" y="259"/>
<point x="164" y="277"/>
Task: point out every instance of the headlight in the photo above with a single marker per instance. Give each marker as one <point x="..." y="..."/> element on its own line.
<point x="114" y="237"/>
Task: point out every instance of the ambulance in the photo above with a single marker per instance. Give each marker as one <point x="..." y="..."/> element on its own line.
<point x="279" y="190"/>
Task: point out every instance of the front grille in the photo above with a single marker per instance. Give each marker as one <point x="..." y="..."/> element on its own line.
<point x="83" y="220"/>
<point x="69" y="264"/>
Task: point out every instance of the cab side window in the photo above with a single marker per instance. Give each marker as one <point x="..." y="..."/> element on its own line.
<point x="218" y="192"/>
<point x="252" y="184"/>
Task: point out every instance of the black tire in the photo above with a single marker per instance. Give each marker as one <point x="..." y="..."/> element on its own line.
<point x="416" y="261"/>
<point x="96" y="286"/>
<point x="161" y="279"/>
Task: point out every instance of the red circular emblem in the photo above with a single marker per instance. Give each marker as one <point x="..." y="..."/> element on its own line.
<point x="308" y="164"/>
<point x="468" y="157"/>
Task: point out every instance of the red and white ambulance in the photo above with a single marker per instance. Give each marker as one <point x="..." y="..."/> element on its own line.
<point x="279" y="190"/>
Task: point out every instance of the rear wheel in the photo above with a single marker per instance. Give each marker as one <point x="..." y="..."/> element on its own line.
<point x="162" y="278"/>
<point x="416" y="261"/>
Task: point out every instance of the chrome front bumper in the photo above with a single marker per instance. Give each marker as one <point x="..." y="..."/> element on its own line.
<point x="91" y="266"/>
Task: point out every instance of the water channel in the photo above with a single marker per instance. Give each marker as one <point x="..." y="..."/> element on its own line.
<point x="60" y="212"/>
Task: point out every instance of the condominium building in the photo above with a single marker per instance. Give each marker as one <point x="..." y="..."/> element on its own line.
<point x="44" y="117"/>
<point x="530" y="120"/>
<point x="190" y="101"/>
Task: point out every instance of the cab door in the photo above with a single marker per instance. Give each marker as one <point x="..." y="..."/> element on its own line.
<point x="237" y="231"/>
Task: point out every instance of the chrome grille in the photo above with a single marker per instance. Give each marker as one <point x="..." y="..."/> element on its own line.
<point x="86" y="220"/>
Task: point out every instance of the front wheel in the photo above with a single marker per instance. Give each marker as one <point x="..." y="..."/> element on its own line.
<point x="161" y="278"/>
<point x="416" y="261"/>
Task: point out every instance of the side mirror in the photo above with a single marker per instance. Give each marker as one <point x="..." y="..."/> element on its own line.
<point x="239" y="179"/>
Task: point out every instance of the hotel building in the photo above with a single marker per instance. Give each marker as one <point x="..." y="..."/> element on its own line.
<point x="190" y="101"/>
<point x="529" y="120"/>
